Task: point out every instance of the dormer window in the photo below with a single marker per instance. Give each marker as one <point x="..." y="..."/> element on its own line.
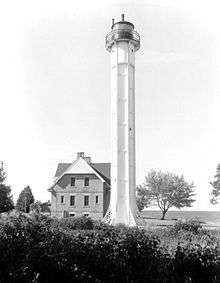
<point x="86" y="181"/>
<point x="96" y="199"/>
<point x="62" y="199"/>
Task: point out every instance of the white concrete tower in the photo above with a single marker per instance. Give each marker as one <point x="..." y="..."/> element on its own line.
<point x="122" y="42"/>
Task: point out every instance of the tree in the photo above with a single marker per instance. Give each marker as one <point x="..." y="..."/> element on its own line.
<point x="25" y="199"/>
<point x="167" y="190"/>
<point x="6" y="202"/>
<point x="142" y="198"/>
<point x="216" y="187"/>
<point x="2" y="173"/>
<point x="35" y="207"/>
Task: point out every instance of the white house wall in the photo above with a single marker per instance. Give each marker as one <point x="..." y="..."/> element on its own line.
<point x="63" y="187"/>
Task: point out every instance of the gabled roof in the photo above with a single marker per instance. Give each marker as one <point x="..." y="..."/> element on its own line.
<point x="104" y="169"/>
<point x="101" y="168"/>
<point x="61" y="168"/>
<point x="81" y="166"/>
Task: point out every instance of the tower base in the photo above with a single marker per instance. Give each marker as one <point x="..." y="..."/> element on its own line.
<point x="133" y="220"/>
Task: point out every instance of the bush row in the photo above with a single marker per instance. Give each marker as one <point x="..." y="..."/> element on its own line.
<point x="35" y="248"/>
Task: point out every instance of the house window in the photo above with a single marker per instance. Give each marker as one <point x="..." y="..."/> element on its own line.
<point x="72" y="200"/>
<point x="86" y="181"/>
<point x="62" y="199"/>
<point x="73" y="180"/>
<point x="86" y="200"/>
<point x="96" y="199"/>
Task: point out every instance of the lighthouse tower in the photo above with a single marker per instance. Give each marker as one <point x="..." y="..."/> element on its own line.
<point x="122" y="43"/>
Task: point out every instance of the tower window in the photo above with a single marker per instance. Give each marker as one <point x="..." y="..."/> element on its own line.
<point x="72" y="200"/>
<point x="96" y="199"/>
<point x="86" y="200"/>
<point x="73" y="181"/>
<point x="62" y="199"/>
<point x="86" y="181"/>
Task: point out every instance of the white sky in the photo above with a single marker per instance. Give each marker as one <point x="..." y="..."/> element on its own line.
<point x="55" y="88"/>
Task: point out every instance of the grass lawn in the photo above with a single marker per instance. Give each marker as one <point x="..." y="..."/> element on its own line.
<point x="209" y="220"/>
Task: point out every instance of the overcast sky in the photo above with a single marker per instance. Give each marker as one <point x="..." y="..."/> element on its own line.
<point x="55" y="88"/>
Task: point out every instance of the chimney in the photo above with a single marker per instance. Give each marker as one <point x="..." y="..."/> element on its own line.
<point x="87" y="159"/>
<point x="80" y="154"/>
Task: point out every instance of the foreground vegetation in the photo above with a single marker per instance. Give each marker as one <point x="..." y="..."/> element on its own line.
<point x="35" y="248"/>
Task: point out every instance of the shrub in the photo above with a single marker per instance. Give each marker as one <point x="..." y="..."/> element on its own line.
<point x="35" y="248"/>
<point x="100" y="225"/>
<point x="76" y="223"/>
<point x="196" y="264"/>
<point x="119" y="253"/>
<point x="192" y="225"/>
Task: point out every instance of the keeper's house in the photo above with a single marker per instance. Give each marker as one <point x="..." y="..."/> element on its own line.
<point x="81" y="188"/>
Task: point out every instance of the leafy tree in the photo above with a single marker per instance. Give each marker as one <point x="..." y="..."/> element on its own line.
<point x="35" y="207"/>
<point x="40" y="207"/>
<point x="166" y="190"/>
<point x="25" y="199"/>
<point x="6" y="202"/>
<point x="216" y="187"/>
<point x="2" y="173"/>
<point x="142" y="198"/>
